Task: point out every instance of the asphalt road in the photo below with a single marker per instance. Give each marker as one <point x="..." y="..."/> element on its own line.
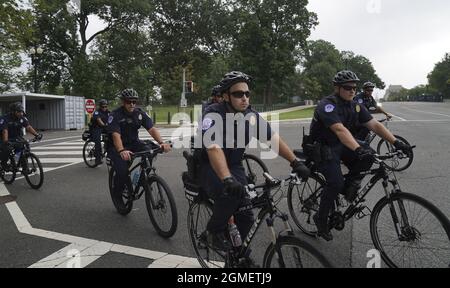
<point x="74" y="210"/>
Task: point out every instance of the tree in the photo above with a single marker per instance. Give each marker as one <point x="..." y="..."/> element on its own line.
<point x="267" y="35"/>
<point x="439" y="78"/>
<point x="362" y="67"/>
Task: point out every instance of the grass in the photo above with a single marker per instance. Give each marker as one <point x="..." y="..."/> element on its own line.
<point x="162" y="112"/>
<point x="299" y="114"/>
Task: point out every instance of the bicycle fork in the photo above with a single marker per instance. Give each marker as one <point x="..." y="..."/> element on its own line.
<point x="403" y="221"/>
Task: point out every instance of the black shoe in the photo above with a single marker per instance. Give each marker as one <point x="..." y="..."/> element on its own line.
<point x="218" y="241"/>
<point x="351" y="190"/>
<point x="322" y="228"/>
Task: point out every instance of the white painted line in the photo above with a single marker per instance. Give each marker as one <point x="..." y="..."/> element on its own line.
<point x="60" y="160"/>
<point x="400" y="118"/>
<point x="59" y="257"/>
<point x="57" y="148"/>
<point x="425" y="112"/>
<point x="43" y="153"/>
<point x="58" y="139"/>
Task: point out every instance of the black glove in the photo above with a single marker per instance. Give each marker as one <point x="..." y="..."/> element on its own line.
<point x="7" y="146"/>
<point x="300" y="168"/>
<point x="405" y="148"/>
<point x="364" y="153"/>
<point x="39" y="137"/>
<point x="233" y="188"/>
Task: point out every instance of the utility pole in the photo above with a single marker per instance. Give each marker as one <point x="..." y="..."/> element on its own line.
<point x="183" y="102"/>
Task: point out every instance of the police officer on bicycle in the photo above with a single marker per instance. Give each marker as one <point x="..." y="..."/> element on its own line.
<point x="222" y="173"/>
<point x="123" y="128"/>
<point x="98" y="126"/>
<point x="365" y="98"/>
<point x="216" y="97"/>
<point x="14" y="122"/>
<point x="332" y="133"/>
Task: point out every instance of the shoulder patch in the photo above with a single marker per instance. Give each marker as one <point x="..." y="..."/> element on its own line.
<point x="2" y="121"/>
<point x="21" y="120"/>
<point x="110" y="119"/>
<point x="360" y="101"/>
<point x="329" y="108"/>
<point x="96" y="113"/>
<point x="207" y="123"/>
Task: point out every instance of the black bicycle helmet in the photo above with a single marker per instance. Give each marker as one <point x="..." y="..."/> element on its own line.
<point x="232" y="78"/>
<point x="216" y="91"/>
<point x="103" y="102"/>
<point x="345" y="76"/>
<point x="369" y="85"/>
<point x="16" y="107"/>
<point x="129" y="94"/>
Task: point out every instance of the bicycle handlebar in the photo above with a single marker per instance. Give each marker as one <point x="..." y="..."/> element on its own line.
<point x="150" y="152"/>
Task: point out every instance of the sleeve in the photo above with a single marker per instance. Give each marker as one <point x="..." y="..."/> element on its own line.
<point x="147" y="122"/>
<point x="95" y="116"/>
<point x="364" y="116"/>
<point x="113" y="124"/>
<point x="210" y="119"/>
<point x="264" y="126"/>
<point x="3" y="124"/>
<point x="328" y="114"/>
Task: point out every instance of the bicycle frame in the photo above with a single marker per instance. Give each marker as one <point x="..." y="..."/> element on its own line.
<point x="146" y="168"/>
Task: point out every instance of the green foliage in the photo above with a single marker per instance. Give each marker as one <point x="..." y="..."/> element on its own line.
<point x="439" y="78"/>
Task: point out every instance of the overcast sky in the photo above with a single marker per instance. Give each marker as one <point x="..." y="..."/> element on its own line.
<point x="402" y="38"/>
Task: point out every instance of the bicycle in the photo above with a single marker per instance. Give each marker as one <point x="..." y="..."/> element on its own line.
<point x="200" y="211"/>
<point x="402" y="161"/>
<point x="159" y="199"/>
<point x="25" y="162"/>
<point x="89" y="149"/>
<point x="392" y="220"/>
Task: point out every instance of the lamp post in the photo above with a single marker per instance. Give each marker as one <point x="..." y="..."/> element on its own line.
<point x="35" y="53"/>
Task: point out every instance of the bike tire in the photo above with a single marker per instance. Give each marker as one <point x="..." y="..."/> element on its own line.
<point x="197" y="219"/>
<point x="440" y="220"/>
<point x="390" y="148"/>
<point x="89" y="154"/>
<point x="26" y="170"/>
<point x="11" y="176"/>
<point x="254" y="169"/>
<point x="297" y="197"/>
<point x="305" y="255"/>
<point x="122" y="203"/>
<point x="164" y="201"/>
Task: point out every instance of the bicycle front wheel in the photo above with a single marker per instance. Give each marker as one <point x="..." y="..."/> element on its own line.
<point x="89" y="154"/>
<point x="398" y="163"/>
<point x="198" y="216"/>
<point x="254" y="169"/>
<point x="32" y="170"/>
<point x="161" y="206"/>
<point x="291" y="252"/>
<point x="8" y="170"/>
<point x="303" y="202"/>
<point x="410" y="232"/>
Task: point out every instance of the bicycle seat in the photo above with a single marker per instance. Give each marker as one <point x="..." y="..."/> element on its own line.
<point x="300" y="154"/>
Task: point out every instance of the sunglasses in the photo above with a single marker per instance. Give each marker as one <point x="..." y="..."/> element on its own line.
<point x="104" y="107"/>
<point x="240" y="94"/>
<point x="349" y="88"/>
<point x="129" y="102"/>
<point x="369" y="90"/>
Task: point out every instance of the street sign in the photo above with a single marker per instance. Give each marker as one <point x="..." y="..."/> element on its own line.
<point x="90" y="106"/>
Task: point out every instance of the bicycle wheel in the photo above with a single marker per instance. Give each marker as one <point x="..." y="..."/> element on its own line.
<point x="161" y="206"/>
<point x="291" y="252"/>
<point x="303" y="202"/>
<point x="122" y="202"/>
<point x="32" y="170"/>
<point x="8" y="172"/>
<point x="198" y="216"/>
<point x="424" y="239"/>
<point x="398" y="163"/>
<point x="254" y="169"/>
<point x="89" y="154"/>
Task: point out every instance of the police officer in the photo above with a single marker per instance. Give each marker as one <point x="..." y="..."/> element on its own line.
<point x="335" y="119"/>
<point x="222" y="173"/>
<point x="365" y="98"/>
<point x="13" y="123"/>
<point x="216" y="97"/>
<point x="123" y="127"/>
<point x="98" y="126"/>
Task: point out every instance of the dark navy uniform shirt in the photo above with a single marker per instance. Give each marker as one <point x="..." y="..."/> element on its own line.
<point x="128" y="125"/>
<point x="103" y="115"/>
<point x="3" y="124"/>
<point x="247" y="126"/>
<point x="333" y="110"/>
<point x="369" y="102"/>
<point x="15" y="126"/>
